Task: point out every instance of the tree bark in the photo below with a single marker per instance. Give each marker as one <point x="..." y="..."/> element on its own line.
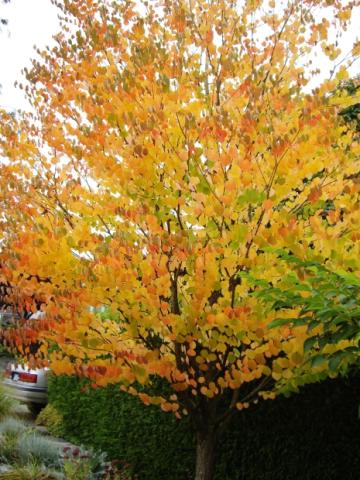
<point x="205" y="455"/>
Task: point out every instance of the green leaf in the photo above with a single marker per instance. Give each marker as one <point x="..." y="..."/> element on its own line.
<point x="298" y="322"/>
<point x="203" y="185"/>
<point x="278" y="322"/>
<point x="251" y="196"/>
<point x="335" y="361"/>
<point x="240" y="232"/>
<point x="312" y="325"/>
<point x="94" y="342"/>
<point x="318" y="360"/>
<point x="310" y="342"/>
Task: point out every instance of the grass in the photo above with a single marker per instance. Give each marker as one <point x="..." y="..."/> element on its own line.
<point x="12" y="426"/>
<point x="32" y="471"/>
<point x="6" y="405"/>
<point x="33" y="446"/>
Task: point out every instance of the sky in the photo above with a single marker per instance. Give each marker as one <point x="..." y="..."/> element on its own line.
<point x="34" y="22"/>
<point x="31" y="22"/>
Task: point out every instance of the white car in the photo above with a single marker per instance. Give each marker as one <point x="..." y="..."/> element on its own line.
<point x="8" y="319"/>
<point x="26" y="385"/>
<point x="21" y="382"/>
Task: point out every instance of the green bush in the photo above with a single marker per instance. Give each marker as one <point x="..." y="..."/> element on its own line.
<point x="52" y="419"/>
<point x="310" y="436"/>
<point x="112" y="421"/>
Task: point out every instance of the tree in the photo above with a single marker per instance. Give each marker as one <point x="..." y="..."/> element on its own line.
<point x="170" y="145"/>
<point x="327" y="299"/>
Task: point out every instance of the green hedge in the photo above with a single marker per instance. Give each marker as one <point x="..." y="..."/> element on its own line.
<point x="314" y="435"/>
<point x="121" y="425"/>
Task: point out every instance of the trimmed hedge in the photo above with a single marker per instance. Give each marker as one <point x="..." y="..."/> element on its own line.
<point x="310" y="436"/>
<point x="314" y="435"/>
<point x="107" y="419"/>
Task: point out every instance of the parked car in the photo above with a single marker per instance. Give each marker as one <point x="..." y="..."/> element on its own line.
<point x="8" y="318"/>
<point x="26" y="385"/>
<point x="20" y="381"/>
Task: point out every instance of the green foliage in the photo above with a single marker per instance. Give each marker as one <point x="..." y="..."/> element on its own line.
<point x="12" y="426"/>
<point x="89" y="464"/>
<point x="32" y="446"/>
<point x="310" y="436"/>
<point x="8" y="448"/>
<point x="6" y="404"/>
<point x="288" y="439"/>
<point x="52" y="419"/>
<point x="19" y="444"/>
<point x="352" y="114"/>
<point x="112" y="421"/>
<point x="327" y="299"/>
<point x="32" y="471"/>
<point x="77" y="468"/>
<point x="37" y="457"/>
<point x="10" y="431"/>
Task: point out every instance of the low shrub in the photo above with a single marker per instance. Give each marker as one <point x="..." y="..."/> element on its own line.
<point x="32" y="446"/>
<point x="12" y="426"/>
<point x="52" y="420"/>
<point x="81" y="464"/>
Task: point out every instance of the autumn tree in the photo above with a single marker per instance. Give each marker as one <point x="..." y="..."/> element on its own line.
<point x="172" y="150"/>
<point x="327" y="296"/>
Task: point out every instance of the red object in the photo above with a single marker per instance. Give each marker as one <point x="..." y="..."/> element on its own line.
<point x="28" y="377"/>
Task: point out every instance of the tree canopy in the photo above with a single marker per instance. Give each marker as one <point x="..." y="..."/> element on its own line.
<point x="172" y="150"/>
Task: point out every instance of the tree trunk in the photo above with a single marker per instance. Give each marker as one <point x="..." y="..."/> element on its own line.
<point x="205" y="455"/>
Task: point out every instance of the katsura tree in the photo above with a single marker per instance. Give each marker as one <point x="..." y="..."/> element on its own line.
<point x="327" y="297"/>
<point x="172" y="149"/>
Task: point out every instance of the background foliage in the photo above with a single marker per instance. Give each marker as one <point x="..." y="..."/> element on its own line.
<point x="121" y="425"/>
<point x="328" y="304"/>
<point x="292" y="438"/>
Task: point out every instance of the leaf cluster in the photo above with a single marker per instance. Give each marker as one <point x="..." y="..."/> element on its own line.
<point x="328" y="304"/>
